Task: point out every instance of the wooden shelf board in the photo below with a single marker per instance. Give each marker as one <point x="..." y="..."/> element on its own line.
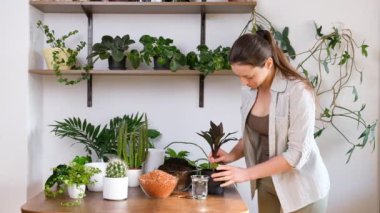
<point x="133" y="72"/>
<point x="144" y="7"/>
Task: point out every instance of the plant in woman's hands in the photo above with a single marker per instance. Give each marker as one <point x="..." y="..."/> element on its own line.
<point x="216" y="137"/>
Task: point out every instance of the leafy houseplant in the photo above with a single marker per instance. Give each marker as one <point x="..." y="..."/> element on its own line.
<point x="180" y="166"/>
<point x="113" y="49"/>
<point x="215" y="137"/>
<point x="74" y="174"/>
<point x="336" y="54"/>
<point x="164" y="54"/>
<point x="116" y="180"/>
<point x="98" y="139"/>
<point x="208" y="61"/>
<point x="78" y="177"/>
<point x="132" y="145"/>
<point x="60" y="57"/>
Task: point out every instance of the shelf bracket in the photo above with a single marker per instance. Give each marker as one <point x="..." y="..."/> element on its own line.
<point x="89" y="50"/>
<point x="203" y="41"/>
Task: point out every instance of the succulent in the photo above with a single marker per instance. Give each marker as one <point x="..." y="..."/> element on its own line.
<point x="215" y="137"/>
<point x="116" y="168"/>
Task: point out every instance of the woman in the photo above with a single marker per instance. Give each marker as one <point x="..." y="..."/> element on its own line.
<point x="278" y="115"/>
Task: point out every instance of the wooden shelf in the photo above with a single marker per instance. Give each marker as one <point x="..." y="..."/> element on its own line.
<point x="134" y="72"/>
<point x="144" y="7"/>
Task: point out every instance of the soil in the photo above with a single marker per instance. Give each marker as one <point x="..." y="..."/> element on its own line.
<point x="176" y="164"/>
<point x="181" y="169"/>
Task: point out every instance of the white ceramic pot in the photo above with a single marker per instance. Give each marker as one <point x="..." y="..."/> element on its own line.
<point x="133" y="175"/>
<point x="76" y="191"/>
<point x="97" y="186"/>
<point x="154" y="159"/>
<point x="48" y="55"/>
<point x="115" y="188"/>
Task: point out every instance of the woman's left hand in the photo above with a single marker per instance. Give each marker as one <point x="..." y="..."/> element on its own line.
<point x="230" y="174"/>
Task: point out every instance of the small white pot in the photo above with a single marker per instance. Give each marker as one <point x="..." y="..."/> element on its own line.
<point x="115" y="188"/>
<point x="133" y="175"/>
<point x="97" y="186"/>
<point x="76" y="191"/>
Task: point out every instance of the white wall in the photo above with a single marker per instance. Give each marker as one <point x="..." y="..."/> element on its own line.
<point x="13" y="106"/>
<point x="172" y="102"/>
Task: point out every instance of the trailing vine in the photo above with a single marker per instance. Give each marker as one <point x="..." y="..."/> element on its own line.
<point x="71" y="54"/>
<point x="335" y="51"/>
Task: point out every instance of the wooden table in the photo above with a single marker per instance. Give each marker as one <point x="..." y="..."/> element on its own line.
<point x="137" y="202"/>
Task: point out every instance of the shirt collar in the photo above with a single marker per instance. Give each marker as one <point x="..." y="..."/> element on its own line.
<point x="279" y="82"/>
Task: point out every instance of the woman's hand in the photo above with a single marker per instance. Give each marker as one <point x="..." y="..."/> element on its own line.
<point x="222" y="157"/>
<point x="231" y="175"/>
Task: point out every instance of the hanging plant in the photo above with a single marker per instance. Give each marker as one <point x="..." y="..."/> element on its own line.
<point x="63" y="56"/>
<point x="334" y="52"/>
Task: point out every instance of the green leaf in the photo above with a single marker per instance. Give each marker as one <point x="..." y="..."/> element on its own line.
<point x="364" y="49"/>
<point x="355" y="93"/>
<point x="325" y="65"/>
<point x="319" y="132"/>
<point x="171" y="153"/>
<point x="326" y="113"/>
<point x="349" y="153"/>
<point x="318" y="30"/>
<point x="344" y="58"/>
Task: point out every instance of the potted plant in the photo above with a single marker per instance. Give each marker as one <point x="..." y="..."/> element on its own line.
<point x="116" y="180"/>
<point x="78" y="176"/>
<point x="215" y="137"/>
<point x="132" y="146"/>
<point x="208" y="61"/>
<point x="180" y="166"/>
<point x="100" y="140"/>
<point x="73" y="176"/>
<point x="97" y="139"/>
<point x="165" y="55"/>
<point x="60" y="57"/>
<point x="113" y="49"/>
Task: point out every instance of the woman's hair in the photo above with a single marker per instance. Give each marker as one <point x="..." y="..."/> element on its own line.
<point x="255" y="49"/>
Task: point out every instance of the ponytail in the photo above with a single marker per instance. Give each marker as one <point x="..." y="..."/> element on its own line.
<point x="254" y="49"/>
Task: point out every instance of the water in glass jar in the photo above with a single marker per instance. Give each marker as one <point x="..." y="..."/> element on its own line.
<point x="199" y="186"/>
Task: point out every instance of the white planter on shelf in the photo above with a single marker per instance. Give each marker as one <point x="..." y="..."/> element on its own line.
<point x="134" y="175"/>
<point x="76" y="191"/>
<point x="115" y="188"/>
<point x="97" y="186"/>
<point x="154" y="159"/>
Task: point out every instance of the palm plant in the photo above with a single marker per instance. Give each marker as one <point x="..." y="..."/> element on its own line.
<point x="216" y="137"/>
<point x="98" y="139"/>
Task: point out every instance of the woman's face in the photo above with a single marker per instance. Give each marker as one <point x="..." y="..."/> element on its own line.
<point x="251" y="76"/>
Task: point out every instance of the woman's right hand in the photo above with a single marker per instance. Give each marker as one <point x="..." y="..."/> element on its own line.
<point x="222" y="157"/>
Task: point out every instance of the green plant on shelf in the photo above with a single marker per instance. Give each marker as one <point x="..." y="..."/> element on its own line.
<point x="114" y="48"/>
<point x="71" y="55"/>
<point x="208" y="61"/>
<point x="162" y="51"/>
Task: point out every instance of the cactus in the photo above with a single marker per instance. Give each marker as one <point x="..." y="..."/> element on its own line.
<point x="116" y="168"/>
<point x="133" y="142"/>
